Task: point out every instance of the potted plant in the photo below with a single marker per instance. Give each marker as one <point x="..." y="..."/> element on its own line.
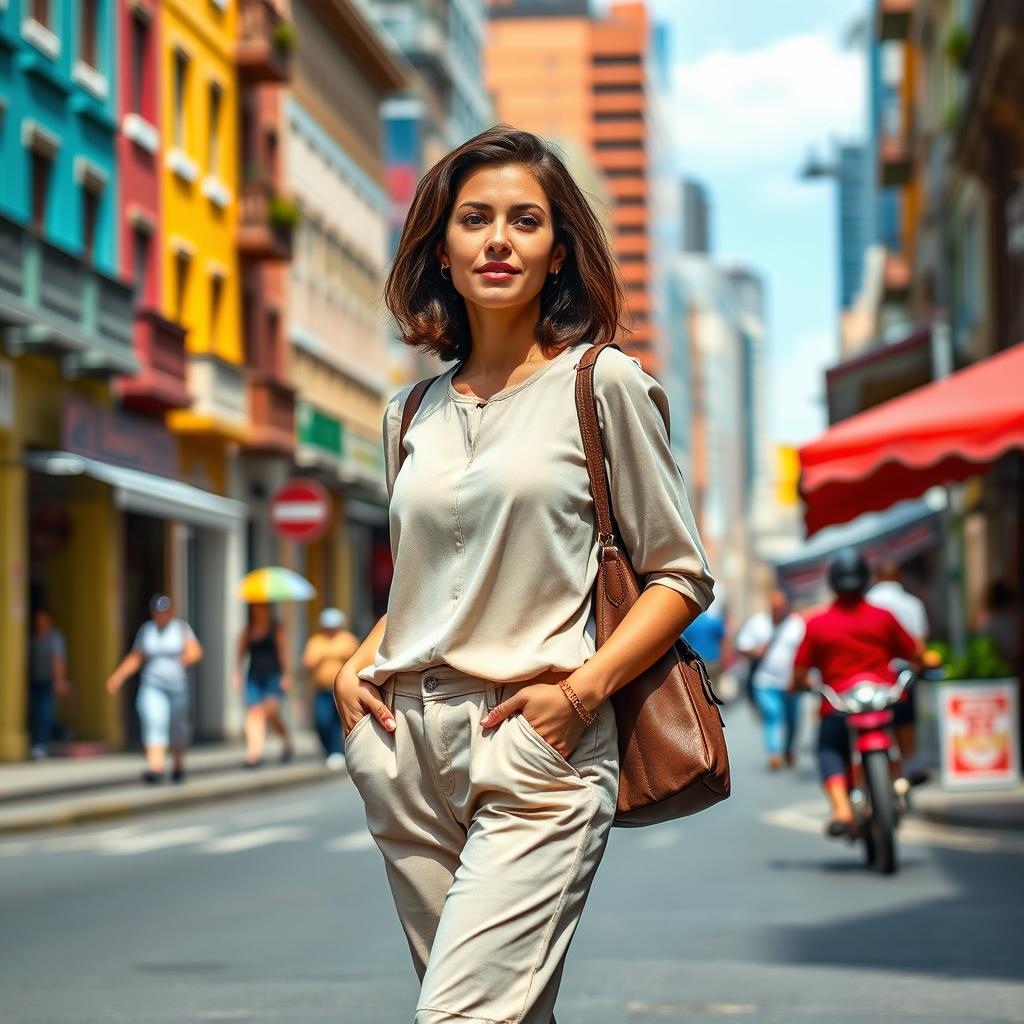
<point x="283" y="214"/>
<point x="284" y="38"/>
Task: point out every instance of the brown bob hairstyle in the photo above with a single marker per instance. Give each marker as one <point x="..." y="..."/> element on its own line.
<point x="582" y="303"/>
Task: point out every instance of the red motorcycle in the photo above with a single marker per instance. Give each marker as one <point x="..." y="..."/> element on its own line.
<point x="868" y="707"/>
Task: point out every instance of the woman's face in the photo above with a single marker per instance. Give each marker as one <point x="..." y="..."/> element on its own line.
<point x="260" y="614"/>
<point x="499" y="243"/>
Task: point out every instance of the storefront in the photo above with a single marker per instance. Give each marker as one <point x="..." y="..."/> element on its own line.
<point x="108" y="521"/>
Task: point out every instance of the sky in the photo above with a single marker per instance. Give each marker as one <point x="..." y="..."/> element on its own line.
<point x="757" y="85"/>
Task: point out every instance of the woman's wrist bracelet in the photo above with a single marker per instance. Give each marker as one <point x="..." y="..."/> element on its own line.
<point x="581" y="710"/>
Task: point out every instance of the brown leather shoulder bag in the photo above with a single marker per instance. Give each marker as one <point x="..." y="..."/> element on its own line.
<point x="673" y="759"/>
<point x="672" y="755"/>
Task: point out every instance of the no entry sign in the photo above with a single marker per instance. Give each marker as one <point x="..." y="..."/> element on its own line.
<point x="300" y="510"/>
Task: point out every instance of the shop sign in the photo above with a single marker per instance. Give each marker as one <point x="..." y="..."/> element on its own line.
<point x="317" y="429"/>
<point x="978" y="724"/>
<point x="6" y="395"/>
<point x="300" y="510"/>
<point x="362" y="458"/>
<point x="117" y="437"/>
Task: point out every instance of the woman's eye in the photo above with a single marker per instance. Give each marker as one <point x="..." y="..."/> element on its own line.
<point x="472" y="219"/>
<point x="529" y="222"/>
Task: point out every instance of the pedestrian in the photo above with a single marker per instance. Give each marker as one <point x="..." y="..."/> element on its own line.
<point x="47" y="679"/>
<point x="849" y="641"/>
<point x="267" y="679"/>
<point x="326" y="651"/>
<point x="709" y="637"/>
<point x="770" y="640"/>
<point x="909" y="611"/>
<point x="164" y="648"/>
<point x="479" y="733"/>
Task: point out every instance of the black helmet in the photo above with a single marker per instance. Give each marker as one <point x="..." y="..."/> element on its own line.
<point x="848" y="572"/>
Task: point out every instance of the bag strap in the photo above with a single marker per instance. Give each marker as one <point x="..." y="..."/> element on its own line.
<point x="593" y="443"/>
<point x="409" y="410"/>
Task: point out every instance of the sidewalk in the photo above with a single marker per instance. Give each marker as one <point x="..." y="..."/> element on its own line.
<point x="999" y="809"/>
<point x="68" y="791"/>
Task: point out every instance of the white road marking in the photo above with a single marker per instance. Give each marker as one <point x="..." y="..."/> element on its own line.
<point x="144" y="843"/>
<point x="352" y="843"/>
<point x="809" y="816"/>
<point x="256" y="838"/>
<point x="269" y="815"/>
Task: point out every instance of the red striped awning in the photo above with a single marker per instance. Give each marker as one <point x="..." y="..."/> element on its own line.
<point x="937" y="434"/>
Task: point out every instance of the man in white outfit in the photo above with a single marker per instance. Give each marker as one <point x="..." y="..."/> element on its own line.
<point x="909" y="611"/>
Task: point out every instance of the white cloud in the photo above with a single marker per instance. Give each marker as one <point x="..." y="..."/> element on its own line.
<point x="768" y="105"/>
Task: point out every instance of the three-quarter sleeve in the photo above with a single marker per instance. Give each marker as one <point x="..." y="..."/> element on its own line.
<point x="648" y="496"/>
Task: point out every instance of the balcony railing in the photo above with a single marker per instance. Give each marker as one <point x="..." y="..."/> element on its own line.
<point x="59" y="305"/>
<point x="161" y="382"/>
<point x="266" y="40"/>
<point x="263" y="233"/>
<point x="271" y="414"/>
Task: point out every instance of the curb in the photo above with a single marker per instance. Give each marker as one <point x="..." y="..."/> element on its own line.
<point x="992" y="811"/>
<point x="139" y="801"/>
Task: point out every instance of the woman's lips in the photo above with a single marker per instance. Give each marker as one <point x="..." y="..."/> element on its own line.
<point x="497" y="272"/>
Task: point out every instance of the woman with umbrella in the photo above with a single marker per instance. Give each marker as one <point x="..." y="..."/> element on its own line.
<point x="263" y="645"/>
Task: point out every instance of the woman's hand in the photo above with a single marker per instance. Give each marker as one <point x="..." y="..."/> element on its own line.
<point x="113" y="683"/>
<point x="286" y="682"/>
<point x="236" y="681"/>
<point x="354" y="698"/>
<point x="548" y="710"/>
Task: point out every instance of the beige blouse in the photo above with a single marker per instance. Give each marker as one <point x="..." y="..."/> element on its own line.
<point x="492" y="521"/>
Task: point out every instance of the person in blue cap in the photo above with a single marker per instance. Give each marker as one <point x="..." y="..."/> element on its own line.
<point x="164" y="649"/>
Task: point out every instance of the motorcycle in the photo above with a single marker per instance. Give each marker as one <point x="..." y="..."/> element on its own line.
<point x="877" y="801"/>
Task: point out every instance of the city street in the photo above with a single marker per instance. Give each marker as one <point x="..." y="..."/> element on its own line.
<point x="276" y="910"/>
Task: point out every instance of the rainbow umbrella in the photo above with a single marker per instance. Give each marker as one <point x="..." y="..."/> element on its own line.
<point x="273" y="584"/>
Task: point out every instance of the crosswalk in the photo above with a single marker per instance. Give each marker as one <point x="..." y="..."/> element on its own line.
<point x="198" y="839"/>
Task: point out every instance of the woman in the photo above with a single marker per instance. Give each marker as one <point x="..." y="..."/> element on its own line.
<point x="466" y="708"/>
<point x="164" y="648"/>
<point x="326" y="651"/>
<point x="267" y="680"/>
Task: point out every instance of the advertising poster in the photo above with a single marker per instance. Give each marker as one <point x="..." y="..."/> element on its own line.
<point x="979" y="736"/>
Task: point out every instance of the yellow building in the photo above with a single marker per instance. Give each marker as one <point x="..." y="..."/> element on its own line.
<point x="199" y="100"/>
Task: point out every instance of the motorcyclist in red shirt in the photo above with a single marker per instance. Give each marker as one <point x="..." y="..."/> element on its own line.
<point x="850" y="640"/>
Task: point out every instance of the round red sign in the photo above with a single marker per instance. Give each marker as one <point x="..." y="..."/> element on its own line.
<point x="301" y="510"/>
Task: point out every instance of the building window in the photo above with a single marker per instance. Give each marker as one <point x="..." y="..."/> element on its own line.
<point x="180" y="84"/>
<point x="182" y="263"/>
<point x="616" y="60"/>
<point x="140" y="50"/>
<point x="612" y="116"/>
<point x="90" y="31"/>
<point x="617" y="88"/>
<point x="216" y="302"/>
<point x="609" y="145"/>
<point x="40" y="12"/>
<point x="90" y="214"/>
<point x="631" y="201"/>
<point x="624" y="172"/>
<point x="41" y="168"/>
<point x="142" y="243"/>
<point x="631" y="229"/>
<point x="632" y="257"/>
<point x="213" y="140"/>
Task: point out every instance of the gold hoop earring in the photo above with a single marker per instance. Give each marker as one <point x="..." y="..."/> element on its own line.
<point x="444" y="267"/>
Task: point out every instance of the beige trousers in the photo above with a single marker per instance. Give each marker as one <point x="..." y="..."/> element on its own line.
<point x="490" y="840"/>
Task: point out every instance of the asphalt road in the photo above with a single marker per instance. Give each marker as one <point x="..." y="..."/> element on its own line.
<point x="277" y="910"/>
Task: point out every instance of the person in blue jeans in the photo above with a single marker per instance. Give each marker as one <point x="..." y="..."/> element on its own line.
<point x="47" y="671"/>
<point x="326" y="651"/>
<point x="770" y="640"/>
<point x="267" y="679"/>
